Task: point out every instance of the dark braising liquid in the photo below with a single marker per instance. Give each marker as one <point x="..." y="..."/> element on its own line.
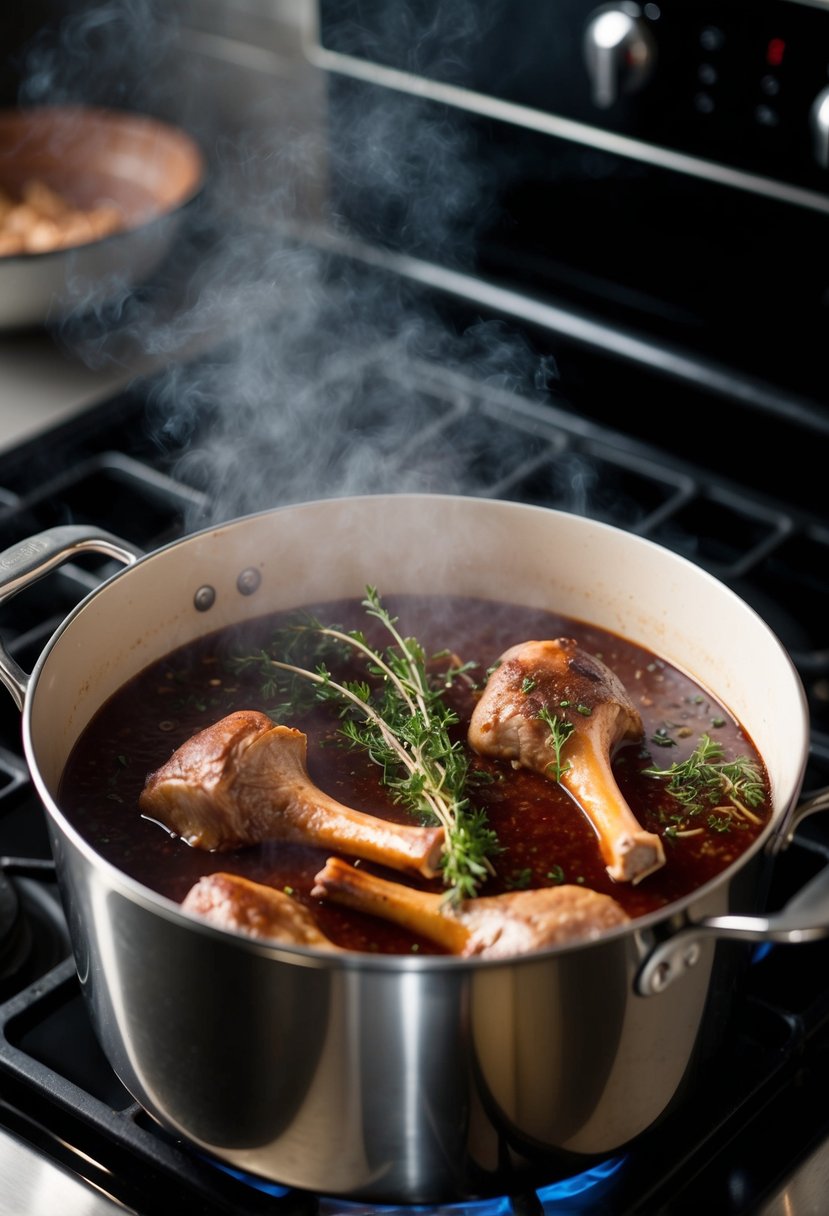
<point x="544" y="835"/>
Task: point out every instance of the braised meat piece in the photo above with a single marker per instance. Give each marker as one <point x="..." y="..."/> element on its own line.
<point x="244" y="780"/>
<point x="494" y="926"/>
<point x="560" y="679"/>
<point x="232" y="902"/>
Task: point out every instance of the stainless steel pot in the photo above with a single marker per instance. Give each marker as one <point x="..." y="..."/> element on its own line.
<point x="404" y="1079"/>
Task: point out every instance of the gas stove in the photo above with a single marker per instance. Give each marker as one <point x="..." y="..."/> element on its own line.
<point x="131" y="464"/>
<point x="652" y="361"/>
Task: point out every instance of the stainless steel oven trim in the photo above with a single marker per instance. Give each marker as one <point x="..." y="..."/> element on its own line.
<point x="33" y="1183"/>
<point x="556" y="125"/>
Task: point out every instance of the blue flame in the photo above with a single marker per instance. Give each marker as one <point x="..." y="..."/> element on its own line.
<point x="551" y="1197"/>
<point x="252" y="1180"/>
<point x="579" y="1184"/>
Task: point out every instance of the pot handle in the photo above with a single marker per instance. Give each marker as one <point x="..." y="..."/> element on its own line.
<point x="31" y="559"/>
<point x="805" y="918"/>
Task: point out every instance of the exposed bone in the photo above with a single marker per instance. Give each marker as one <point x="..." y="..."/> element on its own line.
<point x="232" y="902"/>
<point x="495" y="926"/>
<point x="559" y="676"/>
<point x="245" y="780"/>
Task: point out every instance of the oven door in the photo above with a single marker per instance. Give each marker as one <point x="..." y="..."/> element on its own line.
<point x="661" y="168"/>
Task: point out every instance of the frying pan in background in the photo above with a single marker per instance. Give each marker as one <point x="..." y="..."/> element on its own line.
<point x="146" y="169"/>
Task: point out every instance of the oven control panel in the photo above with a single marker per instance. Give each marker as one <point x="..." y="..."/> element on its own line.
<point x="734" y="90"/>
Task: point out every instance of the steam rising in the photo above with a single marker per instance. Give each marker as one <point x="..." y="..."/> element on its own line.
<point x="309" y="376"/>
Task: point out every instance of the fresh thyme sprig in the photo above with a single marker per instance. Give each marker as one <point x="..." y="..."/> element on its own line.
<point x="706" y="780"/>
<point x="403" y="723"/>
<point x="560" y="732"/>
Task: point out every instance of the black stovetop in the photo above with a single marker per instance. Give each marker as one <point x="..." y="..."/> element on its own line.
<point x="403" y="413"/>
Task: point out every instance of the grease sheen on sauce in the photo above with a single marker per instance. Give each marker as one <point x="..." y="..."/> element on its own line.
<point x="544" y="835"/>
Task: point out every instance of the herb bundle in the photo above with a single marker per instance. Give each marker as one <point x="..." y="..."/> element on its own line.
<point x="706" y="782"/>
<point x="399" y="716"/>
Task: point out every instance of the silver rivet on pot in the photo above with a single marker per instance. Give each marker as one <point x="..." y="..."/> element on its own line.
<point x="661" y="977"/>
<point x="691" y="956"/>
<point x="248" y="581"/>
<point x="204" y="598"/>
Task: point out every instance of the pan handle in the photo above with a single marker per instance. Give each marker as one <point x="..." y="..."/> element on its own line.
<point x="31" y="559"/>
<point x="805" y="918"/>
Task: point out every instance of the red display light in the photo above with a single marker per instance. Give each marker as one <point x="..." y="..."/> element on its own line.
<point x="775" y="51"/>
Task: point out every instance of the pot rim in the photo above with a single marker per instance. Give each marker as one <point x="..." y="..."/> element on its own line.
<point x="153" y="901"/>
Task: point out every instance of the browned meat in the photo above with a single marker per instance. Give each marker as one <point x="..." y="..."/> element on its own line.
<point x="244" y="780"/>
<point x="232" y="902"/>
<point x="494" y="926"/>
<point x="561" y="678"/>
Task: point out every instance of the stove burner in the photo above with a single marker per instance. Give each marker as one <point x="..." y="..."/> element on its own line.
<point x="33" y="936"/>
<point x="15" y="934"/>
<point x="557" y="1197"/>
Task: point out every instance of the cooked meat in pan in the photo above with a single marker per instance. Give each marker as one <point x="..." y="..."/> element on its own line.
<point x="496" y="926"/>
<point x="552" y="707"/>
<point x="230" y="901"/>
<point x="244" y="780"/>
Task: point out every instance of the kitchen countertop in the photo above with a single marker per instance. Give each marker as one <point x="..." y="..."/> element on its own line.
<point x="41" y="386"/>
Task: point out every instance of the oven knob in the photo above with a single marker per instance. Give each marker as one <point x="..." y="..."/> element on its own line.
<point x="619" y="51"/>
<point x="819" y="122"/>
